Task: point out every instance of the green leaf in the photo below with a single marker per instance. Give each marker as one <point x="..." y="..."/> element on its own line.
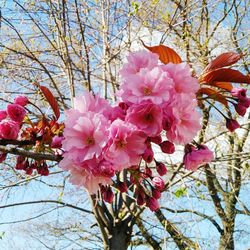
<point x="180" y="192"/>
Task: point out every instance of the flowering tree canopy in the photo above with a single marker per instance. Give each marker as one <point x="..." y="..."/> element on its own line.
<point x="158" y="108"/>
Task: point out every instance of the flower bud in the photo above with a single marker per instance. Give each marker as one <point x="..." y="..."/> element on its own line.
<point x="156" y="139"/>
<point x="158" y="183"/>
<point x="108" y="195"/>
<point x="153" y="204"/>
<point x="161" y="168"/>
<point x="232" y="124"/>
<point x="148" y="172"/>
<point x="140" y="199"/>
<point x="240" y="109"/>
<point x="156" y="194"/>
<point x="167" y="147"/>
<point x="148" y="155"/>
<point x="122" y="186"/>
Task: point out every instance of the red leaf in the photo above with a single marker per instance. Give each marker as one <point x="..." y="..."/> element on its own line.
<point x="225" y="75"/>
<point x="223" y="60"/>
<point x="51" y="100"/>
<point x="214" y="95"/>
<point x="222" y="85"/>
<point x="165" y="53"/>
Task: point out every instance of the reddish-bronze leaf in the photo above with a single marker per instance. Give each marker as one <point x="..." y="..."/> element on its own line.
<point x="214" y="95"/>
<point x="222" y="85"/>
<point x="166" y="54"/>
<point x="223" y="60"/>
<point x="225" y="75"/>
<point x="51" y="100"/>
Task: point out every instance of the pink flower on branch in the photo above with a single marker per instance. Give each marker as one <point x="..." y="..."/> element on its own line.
<point x="9" y="129"/>
<point x="16" y="112"/>
<point x="137" y="61"/>
<point x="154" y="85"/>
<point x="196" y="157"/>
<point x="126" y="145"/>
<point x="147" y="117"/>
<point x="85" y="135"/>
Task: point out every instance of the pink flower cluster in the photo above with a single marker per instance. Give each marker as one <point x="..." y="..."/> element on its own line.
<point x="12" y="118"/>
<point x="160" y="97"/>
<point x="97" y="144"/>
<point x="101" y="140"/>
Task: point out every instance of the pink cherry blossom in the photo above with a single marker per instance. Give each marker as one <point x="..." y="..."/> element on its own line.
<point x="87" y="102"/>
<point x="137" y="61"/>
<point x="184" y="119"/>
<point x="82" y="175"/>
<point x="146" y="116"/>
<point x="85" y="135"/>
<point x="21" y="100"/>
<point x="196" y="157"/>
<point x="16" y="112"/>
<point x="182" y="78"/>
<point x="126" y="145"/>
<point x="154" y="85"/>
<point x="9" y="129"/>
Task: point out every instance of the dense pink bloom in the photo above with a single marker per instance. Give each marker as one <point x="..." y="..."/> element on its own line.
<point x="182" y="78"/>
<point x="9" y="129"/>
<point x="87" y="102"/>
<point x="126" y="145"/>
<point x="232" y="124"/>
<point x="57" y="141"/>
<point x="153" y="85"/>
<point x="137" y="61"/>
<point x="153" y="204"/>
<point x="2" y="156"/>
<point x="3" y="115"/>
<point x="21" y="100"/>
<point x="196" y="157"/>
<point x="167" y="147"/>
<point x="85" y="135"/>
<point x="16" y="112"/>
<point x="147" y="117"/>
<point x="183" y="119"/>
<point x="158" y="183"/>
<point x="83" y="176"/>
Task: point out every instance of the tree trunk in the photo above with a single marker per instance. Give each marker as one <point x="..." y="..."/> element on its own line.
<point x="227" y="240"/>
<point x="120" y="237"/>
